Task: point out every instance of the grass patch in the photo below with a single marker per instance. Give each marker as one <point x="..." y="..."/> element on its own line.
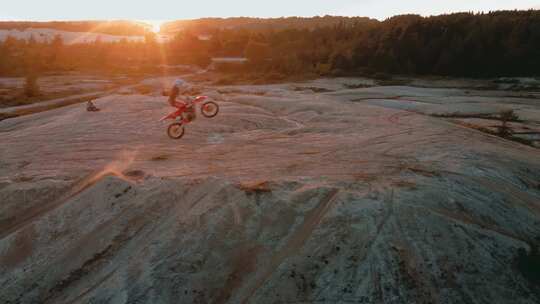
<point x="134" y="174"/>
<point x="423" y="172"/>
<point x="314" y="89"/>
<point x="254" y="78"/>
<point x="528" y="264"/>
<point x="393" y="82"/>
<point x="503" y="131"/>
<point x="382" y="76"/>
<point x="235" y="91"/>
<point x="46" y="107"/>
<point x="356" y="86"/>
<point x="405" y="184"/>
<point x="506" y="81"/>
<point x="255" y="187"/>
<point x="160" y="158"/>
<point x="16" y="97"/>
<point x="23" y="179"/>
<point x="144" y="89"/>
<point x="506" y="115"/>
<point x="6" y="116"/>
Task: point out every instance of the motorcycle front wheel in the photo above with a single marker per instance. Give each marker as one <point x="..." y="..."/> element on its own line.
<point x="209" y="109"/>
<point x="175" y="130"/>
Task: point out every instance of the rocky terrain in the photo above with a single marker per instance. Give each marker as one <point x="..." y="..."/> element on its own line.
<point x="327" y="191"/>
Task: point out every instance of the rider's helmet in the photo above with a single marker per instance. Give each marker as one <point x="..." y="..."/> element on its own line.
<point x="181" y="84"/>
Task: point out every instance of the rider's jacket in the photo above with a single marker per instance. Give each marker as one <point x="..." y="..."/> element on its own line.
<point x="174" y="93"/>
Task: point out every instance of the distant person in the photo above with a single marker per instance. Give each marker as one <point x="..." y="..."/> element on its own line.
<point x="90" y="107"/>
<point x="180" y="91"/>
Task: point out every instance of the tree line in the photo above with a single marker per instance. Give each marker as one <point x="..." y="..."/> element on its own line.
<point x="208" y="25"/>
<point x="502" y="43"/>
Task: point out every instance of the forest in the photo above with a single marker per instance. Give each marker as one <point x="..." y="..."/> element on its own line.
<point x="494" y="44"/>
<point x="208" y="25"/>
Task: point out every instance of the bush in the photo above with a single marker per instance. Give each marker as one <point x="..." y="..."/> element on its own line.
<point x="529" y="264"/>
<point x="356" y="86"/>
<point x="338" y="73"/>
<point x="275" y="76"/>
<point x="31" y="87"/>
<point x="257" y="53"/>
<point x="506" y="81"/>
<point x="508" y="115"/>
<point x="323" y="69"/>
<point x="226" y="80"/>
<point x="382" y="76"/>
<point x="144" y="89"/>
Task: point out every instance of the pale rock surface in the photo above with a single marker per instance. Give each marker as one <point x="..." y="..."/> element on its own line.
<point x="287" y="196"/>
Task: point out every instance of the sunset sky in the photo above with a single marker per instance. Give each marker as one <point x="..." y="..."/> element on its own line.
<point x="170" y="10"/>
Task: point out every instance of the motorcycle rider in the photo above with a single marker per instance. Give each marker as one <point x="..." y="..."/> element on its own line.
<point x="90" y="107"/>
<point x="180" y="90"/>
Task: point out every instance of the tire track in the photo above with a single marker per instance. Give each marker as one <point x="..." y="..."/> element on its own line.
<point x="113" y="169"/>
<point x="294" y="243"/>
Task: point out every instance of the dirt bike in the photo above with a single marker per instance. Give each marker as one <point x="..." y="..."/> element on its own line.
<point x="175" y="130"/>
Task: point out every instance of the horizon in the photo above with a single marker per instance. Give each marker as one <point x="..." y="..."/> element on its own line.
<point x="162" y="11"/>
<point x="156" y="24"/>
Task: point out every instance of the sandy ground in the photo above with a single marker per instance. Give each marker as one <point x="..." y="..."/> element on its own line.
<point x="65" y="83"/>
<point x="47" y="35"/>
<point x="287" y="196"/>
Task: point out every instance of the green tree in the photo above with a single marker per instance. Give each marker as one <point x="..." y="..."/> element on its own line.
<point x="257" y="52"/>
<point x="57" y="43"/>
<point x="31" y="87"/>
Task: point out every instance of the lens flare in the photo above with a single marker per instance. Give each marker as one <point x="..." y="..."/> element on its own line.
<point x="155" y="25"/>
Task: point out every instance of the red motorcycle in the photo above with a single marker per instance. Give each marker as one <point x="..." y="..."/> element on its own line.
<point x="181" y="116"/>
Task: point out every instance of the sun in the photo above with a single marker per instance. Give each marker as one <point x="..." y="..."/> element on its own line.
<point x="156" y="25"/>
